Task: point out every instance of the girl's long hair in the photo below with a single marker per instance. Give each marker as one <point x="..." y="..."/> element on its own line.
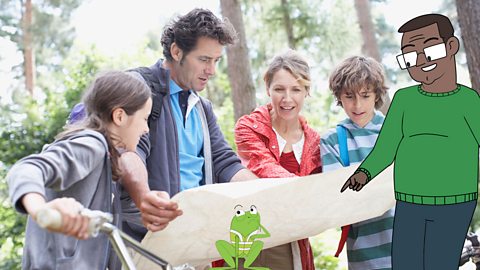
<point x="109" y="91"/>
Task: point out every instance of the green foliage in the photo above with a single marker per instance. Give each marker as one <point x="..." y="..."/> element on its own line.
<point x="17" y="141"/>
<point x="78" y="77"/>
<point x="12" y="230"/>
<point x="53" y="34"/>
<point x="218" y="92"/>
<point x="322" y="31"/>
<point x="226" y="122"/>
<point x="321" y="111"/>
<point x="321" y="256"/>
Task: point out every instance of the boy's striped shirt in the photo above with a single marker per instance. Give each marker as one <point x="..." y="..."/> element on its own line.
<point x="369" y="242"/>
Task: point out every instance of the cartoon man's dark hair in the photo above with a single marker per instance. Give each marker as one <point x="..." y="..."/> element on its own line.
<point x="444" y="25"/>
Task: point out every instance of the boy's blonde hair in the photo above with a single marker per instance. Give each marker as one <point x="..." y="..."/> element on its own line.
<point x="358" y="72"/>
<point x="292" y="62"/>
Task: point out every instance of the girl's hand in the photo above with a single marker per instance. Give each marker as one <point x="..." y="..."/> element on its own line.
<point x="72" y="222"/>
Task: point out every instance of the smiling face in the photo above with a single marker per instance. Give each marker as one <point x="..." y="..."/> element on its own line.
<point x="359" y="105"/>
<point x="193" y="70"/>
<point x="287" y="95"/>
<point x="428" y="59"/>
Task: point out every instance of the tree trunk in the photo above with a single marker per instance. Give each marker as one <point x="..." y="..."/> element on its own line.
<point x="287" y="22"/>
<point x="469" y="18"/>
<point x="369" y="46"/>
<point x="243" y="91"/>
<point x="28" y="50"/>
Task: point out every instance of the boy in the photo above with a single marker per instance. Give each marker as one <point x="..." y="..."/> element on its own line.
<point x="358" y="86"/>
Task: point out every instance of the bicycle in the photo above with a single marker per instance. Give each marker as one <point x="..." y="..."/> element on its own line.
<point x="471" y="250"/>
<point x="100" y="222"/>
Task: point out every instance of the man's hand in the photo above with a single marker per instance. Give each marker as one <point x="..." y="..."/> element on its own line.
<point x="155" y="206"/>
<point x="356" y="181"/>
<point x="243" y="175"/>
<point x="158" y="210"/>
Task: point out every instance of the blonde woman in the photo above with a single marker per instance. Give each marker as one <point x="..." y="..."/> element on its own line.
<point x="274" y="141"/>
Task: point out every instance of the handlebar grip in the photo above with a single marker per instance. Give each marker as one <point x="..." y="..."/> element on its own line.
<point x="49" y="218"/>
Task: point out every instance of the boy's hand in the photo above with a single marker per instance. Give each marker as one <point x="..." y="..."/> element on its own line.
<point x="356" y="181"/>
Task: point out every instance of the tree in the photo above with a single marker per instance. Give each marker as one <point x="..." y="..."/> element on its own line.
<point x="369" y="45"/>
<point x="469" y="19"/>
<point x="287" y="22"/>
<point x="28" y="50"/>
<point x="239" y="74"/>
<point x="41" y="31"/>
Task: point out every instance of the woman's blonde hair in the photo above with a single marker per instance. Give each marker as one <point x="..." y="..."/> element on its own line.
<point x="292" y="62"/>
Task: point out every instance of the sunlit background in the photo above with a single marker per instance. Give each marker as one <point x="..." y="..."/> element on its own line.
<point x="122" y="34"/>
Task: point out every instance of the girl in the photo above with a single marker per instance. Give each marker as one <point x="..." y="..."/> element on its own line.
<point x="79" y="169"/>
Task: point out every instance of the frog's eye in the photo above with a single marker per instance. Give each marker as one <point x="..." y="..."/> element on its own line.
<point x="239" y="213"/>
<point x="253" y="210"/>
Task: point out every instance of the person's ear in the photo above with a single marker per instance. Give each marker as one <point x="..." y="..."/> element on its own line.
<point x="119" y="116"/>
<point x="453" y="45"/>
<point x="176" y="52"/>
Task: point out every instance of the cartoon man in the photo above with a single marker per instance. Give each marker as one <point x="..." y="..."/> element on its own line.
<point x="432" y="132"/>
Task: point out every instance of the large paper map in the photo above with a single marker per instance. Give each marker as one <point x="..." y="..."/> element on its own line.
<point x="290" y="209"/>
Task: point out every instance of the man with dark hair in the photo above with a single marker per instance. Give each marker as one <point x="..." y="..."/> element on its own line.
<point x="185" y="147"/>
<point x="432" y="133"/>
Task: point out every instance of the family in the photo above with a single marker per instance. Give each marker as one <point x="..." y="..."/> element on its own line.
<point x="146" y="134"/>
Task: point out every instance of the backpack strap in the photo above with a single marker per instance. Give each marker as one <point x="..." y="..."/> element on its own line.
<point x="342" y="145"/>
<point x="158" y="83"/>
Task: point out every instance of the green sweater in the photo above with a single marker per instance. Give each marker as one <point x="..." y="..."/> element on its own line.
<point x="433" y="138"/>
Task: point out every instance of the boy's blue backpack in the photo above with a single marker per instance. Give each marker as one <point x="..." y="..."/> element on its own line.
<point x="342" y="145"/>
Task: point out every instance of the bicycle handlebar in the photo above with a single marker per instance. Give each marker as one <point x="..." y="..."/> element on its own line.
<point x="49" y="218"/>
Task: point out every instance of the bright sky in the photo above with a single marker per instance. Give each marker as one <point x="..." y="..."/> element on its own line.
<point x="117" y="25"/>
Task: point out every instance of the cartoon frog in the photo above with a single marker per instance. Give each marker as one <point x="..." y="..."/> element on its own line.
<point x="245" y="228"/>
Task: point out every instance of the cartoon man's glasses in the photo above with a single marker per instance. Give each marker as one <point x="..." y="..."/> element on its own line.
<point x="408" y="60"/>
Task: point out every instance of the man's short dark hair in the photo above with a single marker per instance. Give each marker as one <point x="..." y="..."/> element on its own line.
<point x="444" y="25"/>
<point x="187" y="29"/>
